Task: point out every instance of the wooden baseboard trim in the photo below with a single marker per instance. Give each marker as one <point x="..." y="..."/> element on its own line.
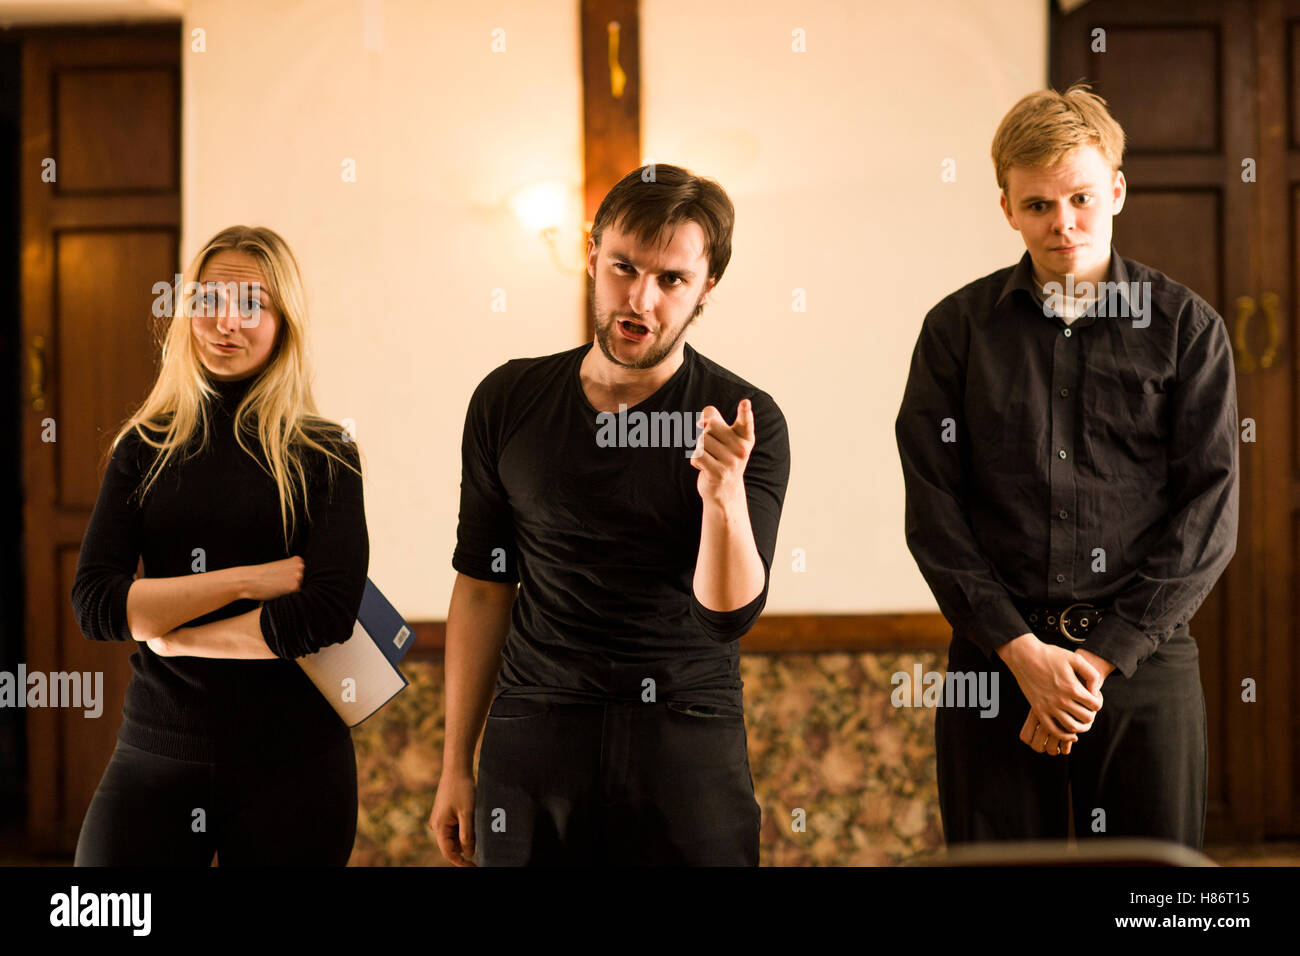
<point x="788" y="634"/>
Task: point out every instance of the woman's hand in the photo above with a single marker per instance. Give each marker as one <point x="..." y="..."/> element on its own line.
<point x="231" y="638"/>
<point x="273" y="579"/>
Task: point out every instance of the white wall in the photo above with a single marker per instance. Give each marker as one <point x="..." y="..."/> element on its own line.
<point x="400" y="266"/>
<point x="831" y="156"/>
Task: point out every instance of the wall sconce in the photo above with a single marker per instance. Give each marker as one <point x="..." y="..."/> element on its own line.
<point x="548" y="209"/>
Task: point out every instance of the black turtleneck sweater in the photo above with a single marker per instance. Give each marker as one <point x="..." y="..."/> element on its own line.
<point x="223" y="502"/>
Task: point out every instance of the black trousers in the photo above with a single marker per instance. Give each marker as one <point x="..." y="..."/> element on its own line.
<point x="1140" y="771"/>
<point x="628" y="784"/>
<point x="299" y="813"/>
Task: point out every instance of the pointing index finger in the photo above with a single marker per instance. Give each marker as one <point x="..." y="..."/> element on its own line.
<point x="744" y="425"/>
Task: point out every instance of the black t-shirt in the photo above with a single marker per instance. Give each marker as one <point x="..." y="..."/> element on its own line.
<point x="604" y="540"/>
<point x="222" y="502"/>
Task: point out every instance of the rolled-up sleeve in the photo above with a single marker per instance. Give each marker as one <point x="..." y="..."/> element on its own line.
<point x="1201" y="534"/>
<point x="485" y="531"/>
<point x="336" y="557"/>
<point x="767" y="475"/>
<point x="110" y="550"/>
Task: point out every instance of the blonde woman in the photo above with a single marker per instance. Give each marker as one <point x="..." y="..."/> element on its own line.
<point x="245" y="508"/>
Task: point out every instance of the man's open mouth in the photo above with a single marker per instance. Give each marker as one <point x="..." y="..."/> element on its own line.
<point x="633" y="330"/>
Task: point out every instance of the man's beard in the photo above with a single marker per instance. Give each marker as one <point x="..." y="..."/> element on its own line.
<point x="605" y="333"/>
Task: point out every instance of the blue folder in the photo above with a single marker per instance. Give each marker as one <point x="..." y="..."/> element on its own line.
<point x="361" y="675"/>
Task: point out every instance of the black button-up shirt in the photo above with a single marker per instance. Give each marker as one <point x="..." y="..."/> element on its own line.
<point x="1048" y="463"/>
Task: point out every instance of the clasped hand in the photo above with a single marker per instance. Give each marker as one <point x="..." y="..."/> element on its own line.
<point x="1064" y="693"/>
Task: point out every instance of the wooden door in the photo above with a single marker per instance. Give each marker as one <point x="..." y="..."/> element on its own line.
<point x="1183" y="79"/>
<point x="100" y="195"/>
<point x="1270" y="339"/>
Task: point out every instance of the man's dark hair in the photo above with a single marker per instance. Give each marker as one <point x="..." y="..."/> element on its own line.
<point x="658" y="197"/>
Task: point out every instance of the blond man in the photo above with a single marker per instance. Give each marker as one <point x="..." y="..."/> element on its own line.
<point x="1068" y="443"/>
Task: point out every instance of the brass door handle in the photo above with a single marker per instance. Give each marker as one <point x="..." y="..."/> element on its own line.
<point x="1269" y="303"/>
<point x="1245" y="309"/>
<point x="36" y="363"/>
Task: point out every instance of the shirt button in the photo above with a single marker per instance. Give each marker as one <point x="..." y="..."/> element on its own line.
<point x="1063" y="513"/>
<point x="1064" y="392"/>
<point x="1061" y="452"/>
<point x="1060" y="578"/>
<point x="1067" y="333"/>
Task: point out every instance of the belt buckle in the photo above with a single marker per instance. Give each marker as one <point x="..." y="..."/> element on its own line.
<point x="1066" y="613"/>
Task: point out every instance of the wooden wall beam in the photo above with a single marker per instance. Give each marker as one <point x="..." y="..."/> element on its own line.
<point x="611" y="104"/>
<point x="788" y="634"/>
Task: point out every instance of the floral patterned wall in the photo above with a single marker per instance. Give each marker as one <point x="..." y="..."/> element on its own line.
<point x="824" y="738"/>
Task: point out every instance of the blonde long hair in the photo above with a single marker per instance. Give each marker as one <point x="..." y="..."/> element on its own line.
<point x="279" y="402"/>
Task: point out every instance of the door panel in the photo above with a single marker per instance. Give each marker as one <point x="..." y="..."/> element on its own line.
<point x="1275" y="328"/>
<point x="1182" y="78"/>
<point x="101" y="114"/>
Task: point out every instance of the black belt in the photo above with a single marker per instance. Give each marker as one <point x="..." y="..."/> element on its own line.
<point x="1072" y="622"/>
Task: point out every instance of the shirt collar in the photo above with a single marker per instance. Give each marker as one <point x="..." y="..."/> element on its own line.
<point x="1022" y="277"/>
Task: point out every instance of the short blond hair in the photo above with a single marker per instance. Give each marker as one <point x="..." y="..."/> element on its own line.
<point x="1044" y="126"/>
